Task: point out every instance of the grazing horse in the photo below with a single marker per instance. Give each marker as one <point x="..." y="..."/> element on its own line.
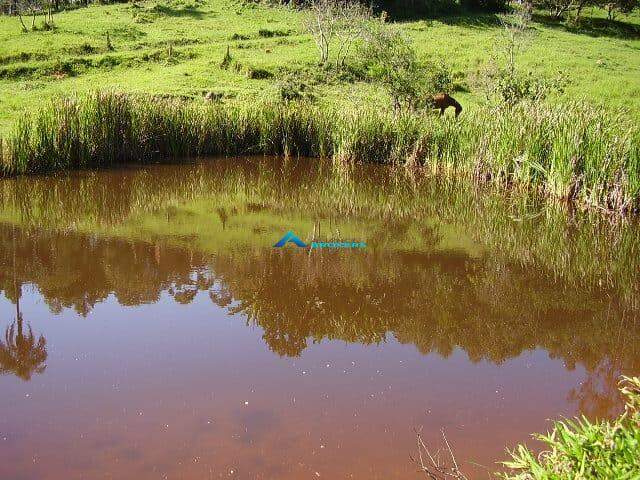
<point x="443" y="100"/>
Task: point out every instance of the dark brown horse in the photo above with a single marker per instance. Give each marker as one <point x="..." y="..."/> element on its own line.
<point x="442" y="101"/>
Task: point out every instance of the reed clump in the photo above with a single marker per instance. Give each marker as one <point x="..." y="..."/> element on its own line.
<point x="573" y="151"/>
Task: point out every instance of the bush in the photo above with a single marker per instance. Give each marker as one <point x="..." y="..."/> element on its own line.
<point x="511" y="86"/>
<point x="63" y="67"/>
<point x="256" y="73"/>
<point x="502" y="78"/>
<point x="291" y="88"/>
<point x="86" y="48"/>
<point x="438" y="77"/>
<point x="389" y="58"/>
<point x="265" y="33"/>
<point x="239" y="36"/>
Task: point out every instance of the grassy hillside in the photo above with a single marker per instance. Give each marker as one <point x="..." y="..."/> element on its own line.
<point x="175" y="47"/>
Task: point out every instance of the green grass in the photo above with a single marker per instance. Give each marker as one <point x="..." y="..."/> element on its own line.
<point x="581" y="449"/>
<point x="603" y="63"/>
<point x="572" y="152"/>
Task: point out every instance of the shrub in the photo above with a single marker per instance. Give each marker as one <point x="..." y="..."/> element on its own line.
<point x="265" y="33"/>
<point x="438" y="77"/>
<point x="86" y="48"/>
<point x="256" y="73"/>
<point x="63" y="67"/>
<point x="501" y="79"/>
<point x="511" y="87"/>
<point x="291" y="87"/>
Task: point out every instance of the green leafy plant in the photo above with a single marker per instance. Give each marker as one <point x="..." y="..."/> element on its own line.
<point x="581" y="449"/>
<point x="502" y="78"/>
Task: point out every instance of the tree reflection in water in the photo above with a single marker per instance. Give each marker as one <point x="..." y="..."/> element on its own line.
<point x="21" y="353"/>
<point x="537" y="283"/>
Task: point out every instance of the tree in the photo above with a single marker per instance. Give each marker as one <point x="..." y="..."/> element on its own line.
<point x="614" y="7"/>
<point x="21" y="8"/>
<point x="502" y="78"/>
<point x="354" y="17"/>
<point x="557" y="8"/>
<point x="335" y="21"/>
<point x="516" y="35"/>
<point x="390" y="59"/>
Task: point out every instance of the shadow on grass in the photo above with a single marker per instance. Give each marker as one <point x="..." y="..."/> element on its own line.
<point x="594" y="27"/>
<point x="452" y="16"/>
<point x="475" y="21"/>
<point x="187" y="11"/>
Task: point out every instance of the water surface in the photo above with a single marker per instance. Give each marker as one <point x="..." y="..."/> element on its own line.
<point x="150" y="330"/>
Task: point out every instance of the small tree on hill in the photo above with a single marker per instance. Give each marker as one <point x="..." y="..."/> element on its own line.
<point x="333" y="22"/>
<point x="22" y="8"/>
<point x="557" y="8"/>
<point x="502" y="78"/>
<point x="391" y="60"/>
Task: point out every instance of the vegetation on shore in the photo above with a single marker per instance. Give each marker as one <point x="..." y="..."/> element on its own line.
<point x="573" y="152"/>
<point x="578" y="449"/>
<point x="582" y="449"/>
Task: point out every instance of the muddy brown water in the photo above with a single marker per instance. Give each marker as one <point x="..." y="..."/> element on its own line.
<point x="150" y="330"/>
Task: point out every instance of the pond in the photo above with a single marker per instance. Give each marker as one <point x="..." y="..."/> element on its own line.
<point x="150" y="328"/>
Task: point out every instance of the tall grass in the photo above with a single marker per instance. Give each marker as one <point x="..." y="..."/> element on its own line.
<point x="570" y="151"/>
